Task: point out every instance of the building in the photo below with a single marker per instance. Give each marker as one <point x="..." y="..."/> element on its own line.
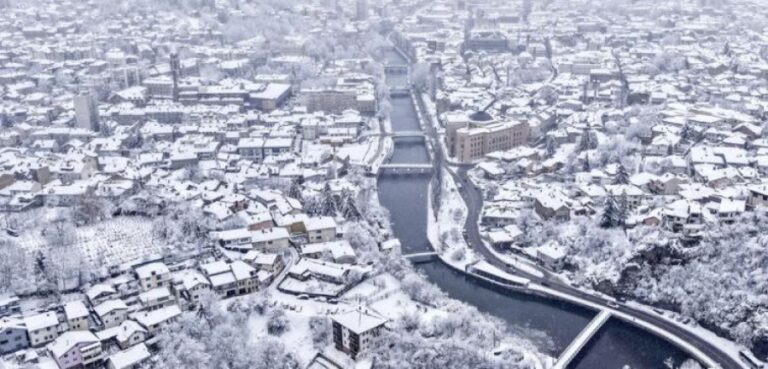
<point x="42" y="328"/>
<point x="77" y="316"/>
<point x="13" y="335"/>
<point x="189" y="286"/>
<point x="271" y="97"/>
<point x="131" y="358"/>
<point x="321" y="229"/>
<point x="471" y="136"/>
<point x="270" y="239"/>
<point x="354" y="331"/>
<point x="127" y="334"/>
<point x="153" y="275"/>
<point x="86" y="112"/>
<point x="473" y="142"/>
<point x="156" y="298"/>
<point x="152" y="321"/>
<point x="231" y="279"/>
<point x="111" y="312"/>
<point x="9" y="305"/>
<point x="76" y="349"/>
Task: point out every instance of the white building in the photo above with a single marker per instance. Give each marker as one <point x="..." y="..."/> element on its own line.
<point x="354" y="331"/>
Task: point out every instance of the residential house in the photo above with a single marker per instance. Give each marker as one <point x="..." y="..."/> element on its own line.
<point x="42" y="328"/>
<point x="131" y="358"/>
<point x="76" y="349"/>
<point x="321" y="229"/>
<point x="153" y="275"/>
<point x="127" y="334"/>
<point x="270" y="239"/>
<point x="355" y="331"/>
<point x="153" y="320"/>
<point x="111" y="312"/>
<point x="156" y="298"/>
<point x="77" y="316"/>
<point x="13" y="335"/>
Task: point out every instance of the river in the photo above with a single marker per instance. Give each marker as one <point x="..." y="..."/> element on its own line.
<point x="616" y="344"/>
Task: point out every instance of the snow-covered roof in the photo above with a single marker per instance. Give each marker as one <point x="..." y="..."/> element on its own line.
<point x="360" y="320"/>
<point x="130" y="357"/>
<point x="75" y="309"/>
<point x="69" y="340"/>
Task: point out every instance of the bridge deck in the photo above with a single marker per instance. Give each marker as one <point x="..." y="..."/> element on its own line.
<point x="589" y="331"/>
<point x="406" y="166"/>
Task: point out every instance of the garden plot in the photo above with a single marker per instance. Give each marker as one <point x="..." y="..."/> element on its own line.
<point x="112" y="242"/>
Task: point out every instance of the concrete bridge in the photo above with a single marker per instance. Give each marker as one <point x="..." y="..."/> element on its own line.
<point x="406" y="169"/>
<point x="407" y="134"/>
<point x="396" y="68"/>
<point x="581" y="340"/>
<point x="421" y="257"/>
<point x="400" y="91"/>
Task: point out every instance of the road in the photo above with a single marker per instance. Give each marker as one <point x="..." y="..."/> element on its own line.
<point x="473" y="198"/>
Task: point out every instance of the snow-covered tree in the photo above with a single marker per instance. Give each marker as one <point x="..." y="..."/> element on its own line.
<point x="278" y="323"/>
<point x="611" y="213"/>
<point x="296" y="190"/>
<point x="622" y="177"/>
<point x="328" y="202"/>
<point x="349" y="209"/>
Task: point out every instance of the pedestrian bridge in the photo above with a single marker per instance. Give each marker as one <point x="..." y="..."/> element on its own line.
<point x="396" y="134"/>
<point x="399" y="91"/>
<point x="407" y="134"/>
<point x="421" y="257"/>
<point x="396" y="68"/>
<point x="406" y="169"/>
<point x="581" y="340"/>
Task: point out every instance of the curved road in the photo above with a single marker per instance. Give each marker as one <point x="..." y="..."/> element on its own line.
<point x="473" y="198"/>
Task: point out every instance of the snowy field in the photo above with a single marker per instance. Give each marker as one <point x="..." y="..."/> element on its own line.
<point x="112" y="242"/>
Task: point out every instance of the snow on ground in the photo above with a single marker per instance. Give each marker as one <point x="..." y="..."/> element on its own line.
<point x="516" y="261"/>
<point x="118" y="240"/>
<point x="384" y="295"/>
<point x="729" y="347"/>
<point x="360" y="153"/>
<point x="445" y="232"/>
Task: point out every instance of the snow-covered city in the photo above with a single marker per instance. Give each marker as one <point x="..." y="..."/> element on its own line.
<point x="383" y="184"/>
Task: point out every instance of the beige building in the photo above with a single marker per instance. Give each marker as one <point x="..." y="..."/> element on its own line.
<point x="473" y="142"/>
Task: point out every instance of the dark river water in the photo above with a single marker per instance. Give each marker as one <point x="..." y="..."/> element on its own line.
<point x="616" y="344"/>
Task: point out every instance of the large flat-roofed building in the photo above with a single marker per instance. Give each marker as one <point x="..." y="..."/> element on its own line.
<point x="473" y="142"/>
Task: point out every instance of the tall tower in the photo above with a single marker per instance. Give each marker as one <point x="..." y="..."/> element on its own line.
<point x="362" y="10"/>
<point x="86" y="112"/>
<point x="175" y="72"/>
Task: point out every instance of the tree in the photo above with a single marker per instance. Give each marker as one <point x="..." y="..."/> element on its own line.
<point x="295" y="190"/>
<point x="319" y="326"/>
<point x="622" y="213"/>
<point x="328" y="206"/>
<point x="610" y="213"/>
<point x="622" y="177"/>
<point x="551" y="147"/>
<point x="585" y="143"/>
<point x="91" y="209"/>
<point x="278" y="323"/>
<point x="349" y="208"/>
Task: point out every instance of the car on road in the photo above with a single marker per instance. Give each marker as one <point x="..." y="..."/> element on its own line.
<point x="303" y="297"/>
<point x="613" y="304"/>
